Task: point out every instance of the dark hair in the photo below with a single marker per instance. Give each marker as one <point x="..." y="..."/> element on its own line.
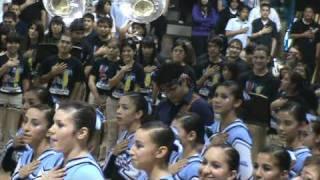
<point x="100" y="6"/>
<point x="264" y="48"/>
<point x="83" y="115"/>
<point x="128" y="43"/>
<point x="141" y="25"/>
<point x="4" y="30"/>
<point x="295" y="109"/>
<point x="243" y="7"/>
<point x="13" y="37"/>
<point x="192" y="122"/>
<point x="217" y="40"/>
<point x="89" y="16"/>
<point x="233" y="157"/>
<point x="237" y="41"/>
<point x="47" y="110"/>
<point x="39" y="29"/>
<point x="229" y="2"/>
<point x="168" y="73"/>
<point x="297" y="80"/>
<point x="42" y="94"/>
<point x="265" y="5"/>
<point x="188" y="50"/>
<point x="140" y="104"/>
<point x="209" y="6"/>
<point x="233" y="68"/>
<point x="280" y="154"/>
<point x="77" y="25"/>
<point x="234" y="88"/>
<point x="161" y="135"/>
<point x="148" y="41"/>
<point x="249" y="49"/>
<point x="10" y="14"/>
<point x="56" y="20"/>
<point x="105" y="20"/>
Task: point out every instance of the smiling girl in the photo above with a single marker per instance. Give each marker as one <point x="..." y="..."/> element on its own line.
<point x="73" y="128"/>
<point x="41" y="157"/>
<point x="220" y="162"/>
<point x="151" y="150"/>
<point x="131" y="113"/>
<point x="227" y="99"/>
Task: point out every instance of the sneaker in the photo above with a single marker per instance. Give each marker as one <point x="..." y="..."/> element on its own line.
<point x="181" y="22"/>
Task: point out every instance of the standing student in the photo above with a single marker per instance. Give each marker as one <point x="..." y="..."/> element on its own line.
<point x="204" y="19"/>
<point x="103" y="34"/>
<point x="259" y="81"/>
<point x="272" y="162"/>
<point x="40" y="157"/>
<point x="264" y="31"/>
<point x="33" y="97"/>
<point x="191" y="136"/>
<point x="130" y="77"/>
<point x="220" y="162"/>
<point x="227" y="99"/>
<point x="62" y="72"/>
<point x="73" y="128"/>
<point x="238" y="27"/>
<point x="132" y="111"/>
<point x="291" y="118"/>
<point x="15" y="78"/>
<point x="148" y="59"/>
<point x="151" y="150"/>
<point x="209" y="66"/>
<point x="56" y="29"/>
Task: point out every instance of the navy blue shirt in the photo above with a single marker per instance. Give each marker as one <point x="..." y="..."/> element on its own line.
<point x="166" y="110"/>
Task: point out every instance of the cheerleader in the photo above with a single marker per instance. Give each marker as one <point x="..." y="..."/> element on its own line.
<point x="229" y="128"/>
<point x="190" y="131"/>
<point x="40" y="158"/>
<point x="291" y="121"/>
<point x="73" y="128"/>
<point x="151" y="150"/>
<point x="131" y="113"/>
<point x="14" y="148"/>
<point x="311" y="169"/>
<point x="220" y="162"/>
<point x="273" y="162"/>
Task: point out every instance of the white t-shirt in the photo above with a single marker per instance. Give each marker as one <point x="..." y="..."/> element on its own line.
<point x="2" y="2"/>
<point x="237" y="24"/>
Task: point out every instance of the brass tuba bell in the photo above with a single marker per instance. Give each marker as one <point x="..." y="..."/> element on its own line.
<point x="67" y="9"/>
<point x="142" y="11"/>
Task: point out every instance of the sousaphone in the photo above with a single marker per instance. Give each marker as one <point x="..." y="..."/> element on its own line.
<point x="142" y="11"/>
<point x="67" y="9"/>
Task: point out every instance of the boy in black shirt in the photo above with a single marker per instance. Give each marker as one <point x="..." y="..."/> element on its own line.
<point x="62" y="72"/>
<point x="264" y="31"/>
<point x="304" y="34"/>
<point x="259" y="82"/>
<point x="14" y="79"/>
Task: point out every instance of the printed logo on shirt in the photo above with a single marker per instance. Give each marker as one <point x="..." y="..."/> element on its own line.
<point x="10" y="80"/>
<point x="60" y="83"/>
